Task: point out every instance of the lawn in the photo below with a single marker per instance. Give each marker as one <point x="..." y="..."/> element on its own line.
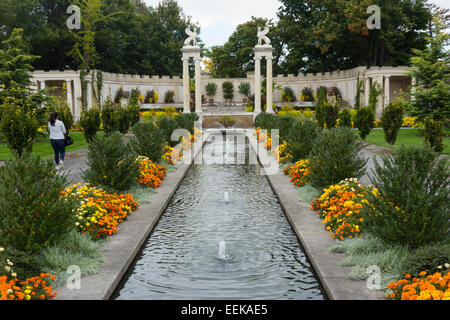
<point x="407" y="137"/>
<point x="43" y="147"/>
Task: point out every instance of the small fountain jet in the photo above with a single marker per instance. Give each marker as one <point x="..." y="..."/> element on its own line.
<point x="221" y="255"/>
<point x="226" y="197"/>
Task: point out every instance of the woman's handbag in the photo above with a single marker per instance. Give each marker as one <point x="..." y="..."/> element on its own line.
<point x="68" y="140"/>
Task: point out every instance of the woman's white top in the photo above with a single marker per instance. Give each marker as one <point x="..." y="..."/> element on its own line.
<point x="57" y="131"/>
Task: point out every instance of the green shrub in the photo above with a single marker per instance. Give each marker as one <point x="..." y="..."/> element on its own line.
<point x="266" y="120"/>
<point x="167" y="126"/>
<point x="245" y="89"/>
<point x="301" y="138"/>
<point x="433" y="135"/>
<point x="134" y="113"/>
<point x="90" y="121"/>
<point x="19" y="128"/>
<point x="288" y="95"/>
<point x="33" y="213"/>
<point x="65" y="115"/>
<point x="187" y="121"/>
<point x="109" y="117"/>
<point x="284" y="126"/>
<point x="374" y="93"/>
<point x="228" y="90"/>
<point x="111" y="164"/>
<point x="413" y="205"/>
<point x="149" y="140"/>
<point x="427" y="258"/>
<point x="364" y="120"/>
<point x="345" y="119"/>
<point x="211" y="89"/>
<point x="330" y="114"/>
<point x="391" y="121"/>
<point x="336" y="156"/>
<point x="123" y="119"/>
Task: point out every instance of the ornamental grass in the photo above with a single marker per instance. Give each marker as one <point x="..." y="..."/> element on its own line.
<point x="299" y="173"/>
<point x="340" y="208"/>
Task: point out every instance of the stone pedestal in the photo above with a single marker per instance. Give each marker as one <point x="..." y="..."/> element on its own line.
<point x="192" y="52"/>
<point x="263" y="51"/>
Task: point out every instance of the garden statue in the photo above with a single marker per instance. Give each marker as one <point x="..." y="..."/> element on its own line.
<point x="262" y="36"/>
<point x="192" y="38"/>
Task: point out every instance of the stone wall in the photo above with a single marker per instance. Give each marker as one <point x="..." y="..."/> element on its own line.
<point x="390" y="79"/>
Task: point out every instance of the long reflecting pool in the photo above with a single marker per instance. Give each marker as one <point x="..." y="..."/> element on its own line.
<point x="223" y="236"/>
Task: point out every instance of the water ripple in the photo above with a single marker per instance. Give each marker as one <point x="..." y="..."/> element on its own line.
<point x="179" y="260"/>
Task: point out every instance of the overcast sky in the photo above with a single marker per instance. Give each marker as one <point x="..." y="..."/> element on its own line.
<point x="218" y="18"/>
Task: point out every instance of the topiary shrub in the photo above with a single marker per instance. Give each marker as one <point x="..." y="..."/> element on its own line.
<point x="391" y="121"/>
<point x="364" y="121"/>
<point x="245" y="89"/>
<point x="427" y="258"/>
<point x="301" y="138"/>
<point x="345" y="119"/>
<point x="148" y="141"/>
<point x="19" y="128"/>
<point x="330" y="114"/>
<point x="134" y="114"/>
<point x="167" y="126"/>
<point x="433" y="135"/>
<point x="228" y="90"/>
<point x="111" y="164"/>
<point x="123" y="119"/>
<point x="90" y="121"/>
<point x="412" y="207"/>
<point x="336" y="156"/>
<point x="34" y="214"/>
<point x="109" y="117"/>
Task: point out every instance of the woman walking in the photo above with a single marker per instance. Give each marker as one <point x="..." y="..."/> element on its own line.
<point x="57" y="132"/>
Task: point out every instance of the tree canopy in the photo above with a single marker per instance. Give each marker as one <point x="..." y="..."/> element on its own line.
<point x="141" y="40"/>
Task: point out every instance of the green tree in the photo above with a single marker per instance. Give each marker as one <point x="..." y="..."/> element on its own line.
<point x="235" y="58"/>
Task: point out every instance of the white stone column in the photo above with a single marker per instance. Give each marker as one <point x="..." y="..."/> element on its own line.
<point x="198" y="85"/>
<point x="269" y="85"/>
<point x="42" y="84"/>
<point x="367" y="91"/>
<point x="413" y="89"/>
<point x="257" y="84"/>
<point x="186" y="93"/>
<point x="77" y="100"/>
<point x="387" y="91"/>
<point x="89" y="95"/>
<point x="69" y="94"/>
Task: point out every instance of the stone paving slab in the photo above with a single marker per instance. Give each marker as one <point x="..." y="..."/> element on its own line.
<point x="317" y="243"/>
<point x="121" y="249"/>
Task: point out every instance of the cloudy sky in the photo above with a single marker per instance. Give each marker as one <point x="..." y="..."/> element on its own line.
<point x="218" y="18"/>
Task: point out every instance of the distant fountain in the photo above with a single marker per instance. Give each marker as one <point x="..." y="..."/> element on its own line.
<point x="226" y="197"/>
<point x="221" y="255"/>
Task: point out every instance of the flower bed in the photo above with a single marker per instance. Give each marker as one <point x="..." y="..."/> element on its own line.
<point x="100" y="212"/>
<point x="431" y="287"/>
<point x="280" y="153"/>
<point x="35" y="288"/>
<point x="340" y="208"/>
<point x="299" y="173"/>
<point x="150" y="173"/>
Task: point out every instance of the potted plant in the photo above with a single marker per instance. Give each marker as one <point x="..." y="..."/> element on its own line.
<point x="244" y="89"/>
<point x="119" y="95"/>
<point x="211" y="90"/>
<point x="227" y="121"/>
<point x="307" y="95"/>
<point x="228" y="91"/>
<point x="168" y="98"/>
<point x="151" y="97"/>
<point x="287" y="95"/>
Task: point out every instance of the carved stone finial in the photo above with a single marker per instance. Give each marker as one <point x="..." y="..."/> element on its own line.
<point x="262" y="36"/>
<point x="192" y="38"/>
